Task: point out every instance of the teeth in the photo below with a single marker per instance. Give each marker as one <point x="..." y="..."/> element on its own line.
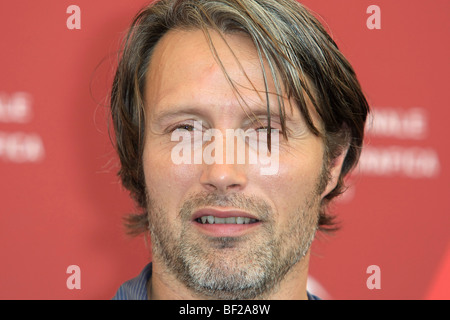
<point x="230" y="220"/>
<point x="218" y="220"/>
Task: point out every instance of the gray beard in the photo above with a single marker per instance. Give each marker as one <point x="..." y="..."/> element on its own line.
<point x="246" y="267"/>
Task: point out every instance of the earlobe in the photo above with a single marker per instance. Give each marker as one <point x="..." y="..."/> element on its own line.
<point x="334" y="172"/>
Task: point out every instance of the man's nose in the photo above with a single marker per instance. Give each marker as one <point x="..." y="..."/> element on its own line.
<point x="224" y="177"/>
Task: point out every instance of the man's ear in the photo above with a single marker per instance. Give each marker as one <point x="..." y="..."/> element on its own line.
<point x="334" y="171"/>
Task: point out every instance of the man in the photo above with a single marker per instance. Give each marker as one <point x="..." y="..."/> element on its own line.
<point x="196" y="77"/>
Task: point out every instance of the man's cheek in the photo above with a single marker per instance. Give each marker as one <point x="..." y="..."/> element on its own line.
<point x="169" y="180"/>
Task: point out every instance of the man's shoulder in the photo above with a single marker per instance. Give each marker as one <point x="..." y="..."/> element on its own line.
<point x="136" y="288"/>
<point x="311" y="296"/>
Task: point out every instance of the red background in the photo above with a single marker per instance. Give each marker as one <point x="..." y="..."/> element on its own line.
<point x="65" y="207"/>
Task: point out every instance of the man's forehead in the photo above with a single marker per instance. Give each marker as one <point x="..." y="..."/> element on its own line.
<point x="182" y="73"/>
<point x="194" y="48"/>
<point x="173" y="85"/>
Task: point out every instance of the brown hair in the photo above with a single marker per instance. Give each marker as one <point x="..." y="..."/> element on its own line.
<point x="303" y="59"/>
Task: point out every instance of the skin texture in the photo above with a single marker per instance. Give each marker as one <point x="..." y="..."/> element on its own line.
<point x="269" y="260"/>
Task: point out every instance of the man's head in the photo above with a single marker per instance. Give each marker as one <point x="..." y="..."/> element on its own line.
<point x="234" y="65"/>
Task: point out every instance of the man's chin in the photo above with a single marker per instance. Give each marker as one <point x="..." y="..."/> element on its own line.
<point x="228" y="279"/>
<point x="230" y="268"/>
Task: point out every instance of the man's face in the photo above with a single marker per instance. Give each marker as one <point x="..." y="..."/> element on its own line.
<point x="224" y="229"/>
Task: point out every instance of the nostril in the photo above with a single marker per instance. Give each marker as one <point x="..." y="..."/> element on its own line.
<point x="223" y="177"/>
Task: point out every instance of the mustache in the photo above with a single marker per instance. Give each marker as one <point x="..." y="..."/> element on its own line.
<point x="250" y="203"/>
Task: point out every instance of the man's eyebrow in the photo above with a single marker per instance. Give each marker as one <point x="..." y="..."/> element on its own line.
<point x="263" y="114"/>
<point x="251" y="113"/>
<point x="260" y="113"/>
<point x="176" y="112"/>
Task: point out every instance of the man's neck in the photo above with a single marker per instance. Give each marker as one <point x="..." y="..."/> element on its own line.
<point x="163" y="285"/>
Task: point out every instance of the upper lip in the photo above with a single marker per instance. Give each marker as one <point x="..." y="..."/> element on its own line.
<point x="222" y="213"/>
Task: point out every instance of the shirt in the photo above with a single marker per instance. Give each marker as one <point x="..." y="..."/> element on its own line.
<point x="136" y="288"/>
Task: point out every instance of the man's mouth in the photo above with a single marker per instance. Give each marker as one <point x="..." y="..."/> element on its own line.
<point x="224" y="223"/>
<point x="229" y="220"/>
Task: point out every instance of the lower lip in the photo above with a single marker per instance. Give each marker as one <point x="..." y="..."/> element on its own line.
<point x="225" y="230"/>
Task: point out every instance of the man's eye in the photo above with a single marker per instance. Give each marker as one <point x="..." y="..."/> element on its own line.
<point x="187" y="127"/>
<point x="265" y="129"/>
